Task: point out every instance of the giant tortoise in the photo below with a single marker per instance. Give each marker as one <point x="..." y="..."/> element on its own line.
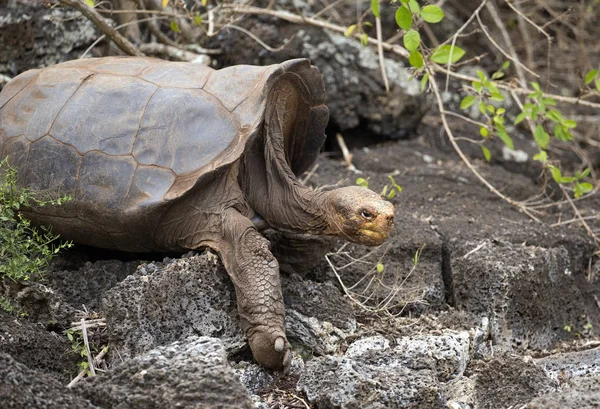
<point x="166" y="156"/>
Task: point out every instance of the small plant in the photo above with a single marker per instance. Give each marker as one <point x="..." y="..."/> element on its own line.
<point x="389" y="190"/>
<point x="24" y="250"/>
<point x="78" y="347"/>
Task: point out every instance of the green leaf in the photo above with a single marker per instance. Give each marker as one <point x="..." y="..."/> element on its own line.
<point x="362" y="182"/>
<point x="542" y="157"/>
<point x="197" y="20"/>
<point x="578" y="191"/>
<point x="536" y="86"/>
<point x="598" y="84"/>
<point x="478" y="86"/>
<point x="569" y="123"/>
<point x="404" y="18"/>
<point x="497" y="75"/>
<point x="497" y="96"/>
<point x="505" y="137"/>
<point x="364" y="39"/>
<point x="586" y="187"/>
<point x="413" y="5"/>
<point x="541" y="136"/>
<point x="481" y="76"/>
<point x="424" y="81"/>
<point x="412" y="39"/>
<point x="90" y="3"/>
<point x="482" y="107"/>
<point x="505" y="65"/>
<point x="415" y="59"/>
<point x="590" y="76"/>
<point x="380" y="268"/>
<point x="585" y="173"/>
<point x="441" y="55"/>
<point x="486" y="153"/>
<point x="555" y="116"/>
<point x="375" y="8"/>
<point x="483" y="131"/>
<point x="175" y="27"/>
<point x="432" y="14"/>
<point x="556" y="175"/>
<point x="350" y="30"/>
<point x="468" y="102"/>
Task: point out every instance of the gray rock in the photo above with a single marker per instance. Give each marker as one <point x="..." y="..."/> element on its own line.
<point x="318" y="317"/>
<point x="406" y="375"/>
<point x="528" y="293"/>
<point x="193" y="374"/>
<point x="87" y="285"/>
<point x="324" y="301"/>
<point x="24" y="388"/>
<point x="335" y="382"/>
<point x="508" y="381"/>
<point x="36" y="36"/>
<point x="166" y="302"/>
<point x="32" y="345"/>
<point x="253" y="376"/>
<point x="449" y="352"/>
<point x="572" y="364"/>
<point x="582" y="394"/>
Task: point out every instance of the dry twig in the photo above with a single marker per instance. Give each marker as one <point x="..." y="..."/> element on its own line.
<point x="174" y="53"/>
<point x="124" y="44"/>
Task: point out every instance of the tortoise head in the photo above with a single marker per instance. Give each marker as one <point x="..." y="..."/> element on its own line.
<point x="360" y="215"/>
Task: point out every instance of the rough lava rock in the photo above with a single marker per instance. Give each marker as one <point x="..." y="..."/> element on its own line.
<point x="584" y="393"/>
<point x="35" y="37"/>
<point x="24" y="388"/>
<point x="169" y="301"/>
<point x="189" y="374"/>
<point x="407" y="375"/>
<point x="33" y="345"/>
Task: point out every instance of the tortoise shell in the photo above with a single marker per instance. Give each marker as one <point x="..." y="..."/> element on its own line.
<point x="120" y="133"/>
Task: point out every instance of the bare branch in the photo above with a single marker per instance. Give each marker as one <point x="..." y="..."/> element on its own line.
<point x="452" y="139"/>
<point x="399" y="50"/>
<point x="173" y="53"/>
<point x="380" y="53"/>
<point x="124" y="44"/>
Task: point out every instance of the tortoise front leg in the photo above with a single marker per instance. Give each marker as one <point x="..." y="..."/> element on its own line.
<point x="255" y="275"/>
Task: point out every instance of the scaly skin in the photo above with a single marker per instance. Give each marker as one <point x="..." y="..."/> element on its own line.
<point x="255" y="275"/>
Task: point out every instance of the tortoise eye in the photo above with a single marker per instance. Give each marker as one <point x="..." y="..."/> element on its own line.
<point x="366" y="214"/>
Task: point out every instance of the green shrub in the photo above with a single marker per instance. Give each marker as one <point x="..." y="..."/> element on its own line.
<point x="24" y="250"/>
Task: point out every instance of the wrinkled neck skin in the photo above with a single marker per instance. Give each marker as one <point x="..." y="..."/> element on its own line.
<point x="274" y="192"/>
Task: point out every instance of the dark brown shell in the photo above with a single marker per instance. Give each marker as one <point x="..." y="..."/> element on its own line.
<point x="128" y="132"/>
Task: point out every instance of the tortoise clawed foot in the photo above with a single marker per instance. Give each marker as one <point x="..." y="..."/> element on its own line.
<point x="271" y="350"/>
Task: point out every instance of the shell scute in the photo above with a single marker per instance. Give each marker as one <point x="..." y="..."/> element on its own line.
<point x="183" y="130"/>
<point x="36" y="106"/>
<point x="104" y="114"/>
<point x="149" y="183"/>
<point x="104" y="180"/>
<point x="16" y="85"/>
<point x="44" y="173"/>
<point x="177" y="74"/>
<point x="247" y="81"/>
<point x="122" y="66"/>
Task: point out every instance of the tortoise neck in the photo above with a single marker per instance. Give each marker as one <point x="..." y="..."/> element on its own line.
<point x="276" y="194"/>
